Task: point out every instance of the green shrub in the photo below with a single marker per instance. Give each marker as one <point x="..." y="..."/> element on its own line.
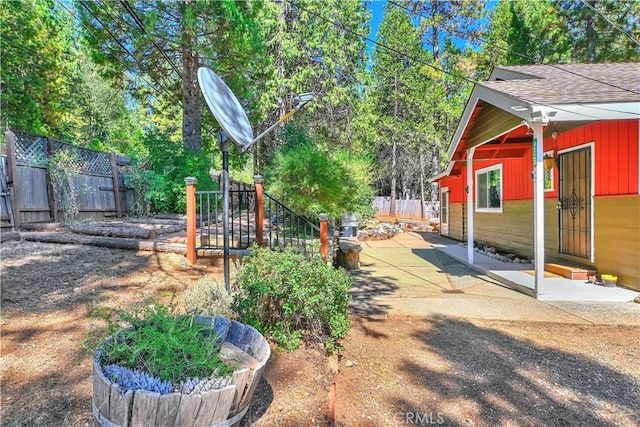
<point x="209" y="298"/>
<point x="311" y="179"/>
<point x="164" y="345"/>
<point x="291" y="299"/>
<point x="157" y="176"/>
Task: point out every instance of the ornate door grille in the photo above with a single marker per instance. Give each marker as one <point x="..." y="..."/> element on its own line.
<point x="575" y="203"/>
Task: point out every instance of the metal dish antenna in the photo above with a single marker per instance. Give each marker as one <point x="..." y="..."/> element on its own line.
<point x="235" y="126"/>
<point x="225" y="107"/>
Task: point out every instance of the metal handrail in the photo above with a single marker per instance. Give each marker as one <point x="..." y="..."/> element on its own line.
<point x="283" y="227"/>
<point x="288" y="228"/>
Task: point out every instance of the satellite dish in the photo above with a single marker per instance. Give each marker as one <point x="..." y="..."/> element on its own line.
<point x="226" y="108"/>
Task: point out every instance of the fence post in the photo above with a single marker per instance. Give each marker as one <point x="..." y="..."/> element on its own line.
<point x="324" y="235"/>
<point x="191" y="219"/>
<point x="116" y="183"/>
<point x="10" y="139"/>
<point x="259" y="187"/>
<point x="53" y="199"/>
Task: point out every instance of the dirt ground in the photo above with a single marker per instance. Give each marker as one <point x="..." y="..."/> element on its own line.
<point x="394" y="371"/>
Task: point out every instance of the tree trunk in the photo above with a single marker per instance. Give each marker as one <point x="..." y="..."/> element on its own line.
<point x="191" y="132"/>
<point x="394" y="169"/>
<point x="591" y="34"/>
<point x="422" y="207"/>
<point x="103" y="230"/>
<point x="436" y="42"/>
<point x="106" y="242"/>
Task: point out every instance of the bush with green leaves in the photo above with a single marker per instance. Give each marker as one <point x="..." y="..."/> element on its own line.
<point x="312" y="180"/>
<point x="157" y="177"/>
<point x="291" y="298"/>
<point x="162" y="344"/>
<point x="209" y="298"/>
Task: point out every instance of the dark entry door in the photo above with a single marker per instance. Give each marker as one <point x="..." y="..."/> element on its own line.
<point x="575" y="202"/>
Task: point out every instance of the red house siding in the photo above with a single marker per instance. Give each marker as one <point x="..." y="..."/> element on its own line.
<point x="616" y="204"/>
<point x="615" y="155"/>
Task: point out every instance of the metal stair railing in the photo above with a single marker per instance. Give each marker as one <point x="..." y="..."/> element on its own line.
<point x="286" y="228"/>
<point x="282" y="226"/>
<point x="241" y="219"/>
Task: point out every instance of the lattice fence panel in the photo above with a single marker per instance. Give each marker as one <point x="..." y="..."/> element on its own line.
<point x="31" y="149"/>
<point x="90" y="161"/>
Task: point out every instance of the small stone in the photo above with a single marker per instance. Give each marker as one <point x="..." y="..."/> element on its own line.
<point x="516" y="260"/>
<point x="350" y="363"/>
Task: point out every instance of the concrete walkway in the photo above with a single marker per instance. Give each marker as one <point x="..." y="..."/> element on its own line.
<point x="415" y="274"/>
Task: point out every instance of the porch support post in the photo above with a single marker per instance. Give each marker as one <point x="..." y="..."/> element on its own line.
<point x="469" y="190"/>
<point x="538" y="204"/>
<point x="191" y="219"/>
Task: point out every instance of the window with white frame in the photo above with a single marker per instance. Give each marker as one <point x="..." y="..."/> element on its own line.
<point x="489" y="189"/>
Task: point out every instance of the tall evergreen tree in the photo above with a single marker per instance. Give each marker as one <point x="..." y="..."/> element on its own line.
<point x="445" y="27"/>
<point x="438" y="21"/>
<point x="558" y="31"/>
<point x="396" y="96"/>
<point x="33" y="45"/>
<point x="97" y="112"/>
<point x="166" y="42"/>
<point x="602" y="30"/>
<point x="314" y="47"/>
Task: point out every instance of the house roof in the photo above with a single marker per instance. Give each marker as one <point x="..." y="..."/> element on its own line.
<point x="569" y="83"/>
<point x="497" y="110"/>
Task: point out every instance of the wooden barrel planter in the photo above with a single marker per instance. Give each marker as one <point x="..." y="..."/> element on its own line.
<point x="115" y="407"/>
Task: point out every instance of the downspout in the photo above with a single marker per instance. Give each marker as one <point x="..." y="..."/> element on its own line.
<point x="469" y="190"/>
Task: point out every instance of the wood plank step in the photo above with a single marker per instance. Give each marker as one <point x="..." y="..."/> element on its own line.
<point x="573" y="273"/>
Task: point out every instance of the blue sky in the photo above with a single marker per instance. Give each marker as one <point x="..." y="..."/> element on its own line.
<point x="377" y="13"/>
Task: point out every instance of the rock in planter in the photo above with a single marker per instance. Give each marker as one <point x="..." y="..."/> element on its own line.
<point x="242" y="344"/>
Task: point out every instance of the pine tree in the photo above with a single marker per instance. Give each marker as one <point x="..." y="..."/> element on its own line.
<point x="33" y="44"/>
<point x="164" y="44"/>
<point x="558" y="31"/>
<point x="313" y="47"/>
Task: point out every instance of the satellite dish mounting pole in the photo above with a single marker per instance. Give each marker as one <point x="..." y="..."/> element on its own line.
<point x="235" y="126"/>
<point x="223" y="139"/>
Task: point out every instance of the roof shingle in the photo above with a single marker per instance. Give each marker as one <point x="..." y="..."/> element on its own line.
<point x="571" y="83"/>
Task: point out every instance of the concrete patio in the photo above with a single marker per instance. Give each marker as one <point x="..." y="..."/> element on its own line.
<point x="510" y="274"/>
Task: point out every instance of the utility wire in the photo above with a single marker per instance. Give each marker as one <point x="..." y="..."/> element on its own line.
<point x="120" y="44"/>
<point x="430" y="65"/>
<point x="613" y="24"/>
<point x="557" y="66"/>
<point x="377" y="43"/>
<point x="138" y="21"/>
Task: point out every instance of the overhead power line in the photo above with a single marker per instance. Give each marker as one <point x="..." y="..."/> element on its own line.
<point x="613" y="24"/>
<point x="557" y="66"/>
<point x="377" y="43"/>
<point x="121" y="46"/>
<point x="138" y="21"/>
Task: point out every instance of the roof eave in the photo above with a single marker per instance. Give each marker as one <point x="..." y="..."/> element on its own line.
<point x="505" y="102"/>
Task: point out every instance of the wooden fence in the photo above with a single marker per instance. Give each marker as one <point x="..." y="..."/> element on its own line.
<point x="101" y="187"/>
<point x="411" y="208"/>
